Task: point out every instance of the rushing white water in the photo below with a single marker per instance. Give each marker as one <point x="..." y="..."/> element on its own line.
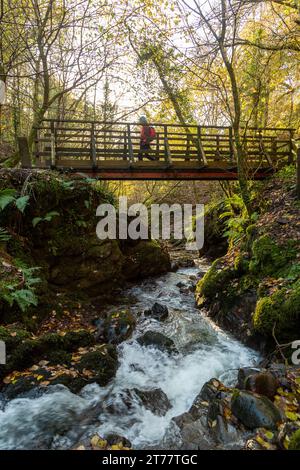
<point x="54" y="419"/>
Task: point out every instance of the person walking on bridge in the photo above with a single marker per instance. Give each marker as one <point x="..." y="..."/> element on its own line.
<point x="148" y="134"/>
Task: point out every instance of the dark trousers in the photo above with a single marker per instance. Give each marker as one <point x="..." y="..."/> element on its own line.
<point x="144" y="149"/>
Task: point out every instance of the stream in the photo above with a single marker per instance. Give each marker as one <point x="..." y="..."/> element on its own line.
<point x="58" y="419"/>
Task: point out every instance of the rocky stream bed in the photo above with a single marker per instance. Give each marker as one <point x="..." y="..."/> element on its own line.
<point x="177" y="382"/>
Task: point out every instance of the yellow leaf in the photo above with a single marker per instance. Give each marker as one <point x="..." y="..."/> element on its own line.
<point x="116" y="447"/>
<point x="269" y="434"/>
<point x="39" y="377"/>
<point x="286" y="442"/>
<point x="264" y="444"/>
<point x="96" y="441"/>
<point x="292" y="416"/>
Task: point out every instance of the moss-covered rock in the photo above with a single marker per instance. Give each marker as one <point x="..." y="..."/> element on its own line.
<point x="214" y="281"/>
<point x="146" y="258"/>
<point x="118" y="326"/>
<point x="52" y="347"/>
<point x="280" y="310"/>
<point x="103" y="363"/>
<point x="268" y="257"/>
<point x="215" y="243"/>
<point x="13" y="336"/>
<point x="255" y="411"/>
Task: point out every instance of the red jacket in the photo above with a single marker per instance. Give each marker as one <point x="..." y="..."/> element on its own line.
<point x="145" y="134"/>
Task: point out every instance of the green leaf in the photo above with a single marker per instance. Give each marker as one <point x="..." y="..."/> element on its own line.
<point x="24" y="298"/>
<point x="6" y="197"/>
<point x="48" y="217"/>
<point x="21" y="203"/>
<point x="36" y="221"/>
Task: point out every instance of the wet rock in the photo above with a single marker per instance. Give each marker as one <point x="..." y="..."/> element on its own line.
<point x="225" y="433"/>
<point x="52" y="347"/>
<point x="115" y="439"/>
<point x="255" y="411"/>
<point x="183" y="420"/>
<point x="174" y="266"/>
<point x="181" y="284"/>
<point x="154" y="400"/>
<point x="103" y="363"/>
<point x="195" y="437"/>
<point x="263" y="383"/>
<point x="157" y="340"/>
<point x="24" y="384"/>
<point x="243" y="373"/>
<point x="214" y="409"/>
<point x="118" y="326"/>
<point x="208" y="391"/>
<point x="158" y="312"/>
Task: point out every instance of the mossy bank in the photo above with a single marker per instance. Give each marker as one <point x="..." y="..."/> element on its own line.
<point x="254" y="290"/>
<point x="49" y="246"/>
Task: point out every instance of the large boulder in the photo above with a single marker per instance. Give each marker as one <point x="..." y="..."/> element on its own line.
<point x="158" y="312"/>
<point x="102" y="363"/>
<point x="52" y="347"/>
<point x="146" y="258"/>
<point x="99" y="365"/>
<point x="263" y="383"/>
<point x="157" y="340"/>
<point x="154" y="400"/>
<point x="116" y="327"/>
<point x="255" y="411"/>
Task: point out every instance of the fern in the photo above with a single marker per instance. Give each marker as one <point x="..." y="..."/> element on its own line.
<point x="4" y="235"/>
<point x="24" y="297"/>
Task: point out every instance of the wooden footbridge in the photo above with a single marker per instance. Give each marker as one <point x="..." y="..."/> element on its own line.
<point x="109" y="150"/>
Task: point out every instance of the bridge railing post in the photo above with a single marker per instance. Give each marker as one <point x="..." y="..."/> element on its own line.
<point x="130" y="146"/>
<point x="93" y="147"/>
<point x="53" y="144"/>
<point x="200" y="151"/>
<point x="157" y="146"/>
<point x="168" y="157"/>
<point x="125" y="145"/>
<point x="231" y="148"/>
<point x="291" y="155"/>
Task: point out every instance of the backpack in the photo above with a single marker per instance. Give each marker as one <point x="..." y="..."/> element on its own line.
<point x="152" y="133"/>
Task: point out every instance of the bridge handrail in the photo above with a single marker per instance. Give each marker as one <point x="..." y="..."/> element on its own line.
<point x="159" y="124"/>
